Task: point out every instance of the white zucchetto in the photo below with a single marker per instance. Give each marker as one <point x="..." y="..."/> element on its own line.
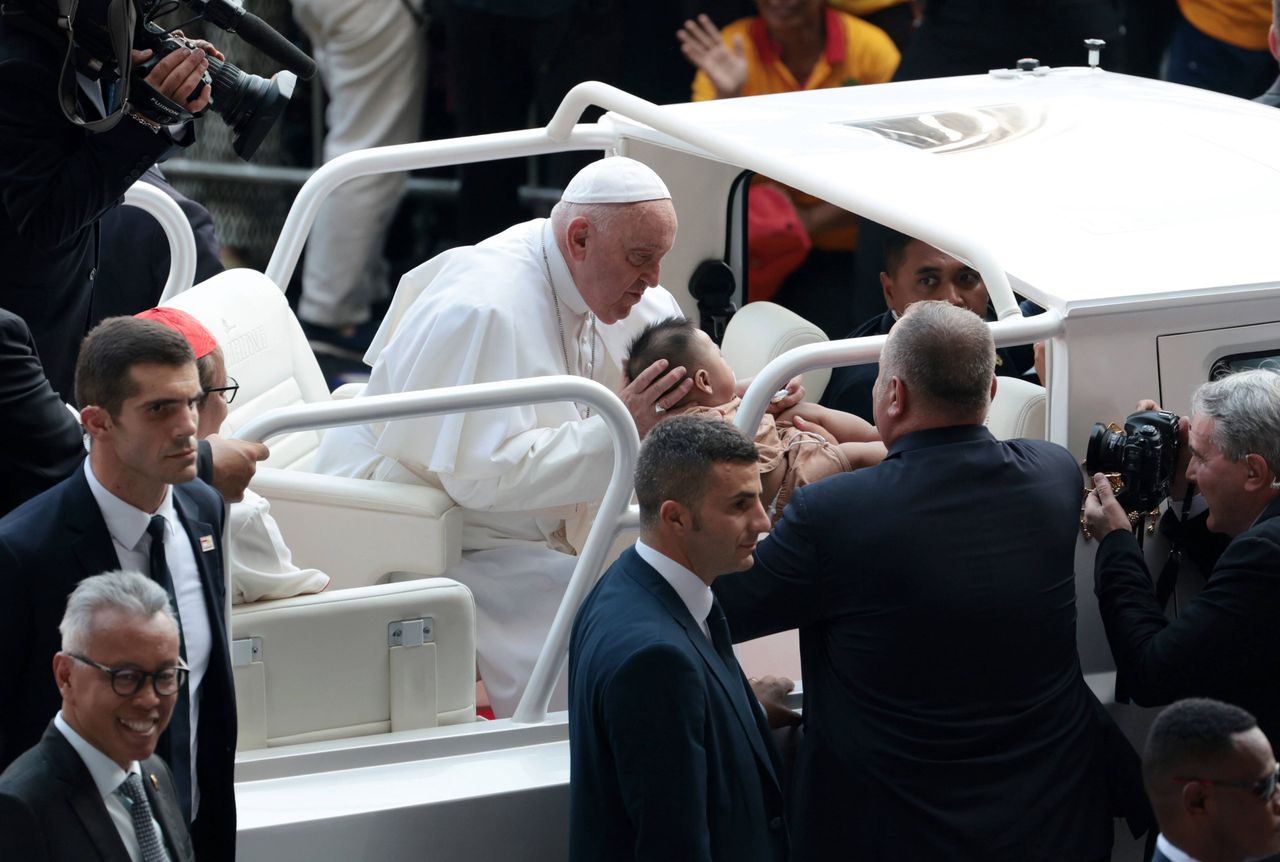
<point x="615" y="180"/>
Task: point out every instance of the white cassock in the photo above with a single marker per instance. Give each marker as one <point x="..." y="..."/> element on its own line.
<point x="523" y="472"/>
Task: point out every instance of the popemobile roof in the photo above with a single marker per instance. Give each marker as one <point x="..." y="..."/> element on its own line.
<point x="1088" y="187"/>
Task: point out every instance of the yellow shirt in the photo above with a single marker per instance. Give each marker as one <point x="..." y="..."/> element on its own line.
<point x="1243" y="23"/>
<point x="856" y="53"/>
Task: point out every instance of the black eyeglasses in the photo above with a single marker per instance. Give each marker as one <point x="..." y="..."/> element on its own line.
<point x="128" y="681"/>
<point x="1264" y="789"/>
<point x="228" y="392"/>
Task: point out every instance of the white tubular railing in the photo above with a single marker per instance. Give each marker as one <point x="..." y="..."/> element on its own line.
<point x="900" y="214"/>
<point x="614" y="509"/>
<point x="177" y="230"/>
<point x="855" y="351"/>
<point x="411" y="157"/>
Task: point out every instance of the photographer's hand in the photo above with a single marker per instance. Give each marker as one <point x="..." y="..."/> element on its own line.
<point x="1102" y="514"/>
<point x="178" y="76"/>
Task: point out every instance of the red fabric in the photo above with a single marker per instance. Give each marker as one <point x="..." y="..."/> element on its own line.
<point x="201" y="340"/>
<point x="777" y="242"/>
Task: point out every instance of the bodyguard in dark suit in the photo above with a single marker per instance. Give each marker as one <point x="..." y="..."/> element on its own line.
<point x="946" y="716"/>
<point x="670" y="756"/>
<point x="135" y="502"/>
<point x="1224" y="643"/>
<point x="90" y="789"/>
<point x="1211" y="776"/>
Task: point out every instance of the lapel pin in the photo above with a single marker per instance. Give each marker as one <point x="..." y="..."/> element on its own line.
<point x="155" y="783"/>
<point x="206" y="544"/>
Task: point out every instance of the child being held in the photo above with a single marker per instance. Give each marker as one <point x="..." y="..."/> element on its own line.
<point x="801" y="445"/>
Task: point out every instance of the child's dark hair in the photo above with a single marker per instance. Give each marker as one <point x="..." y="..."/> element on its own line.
<point x="672" y="339"/>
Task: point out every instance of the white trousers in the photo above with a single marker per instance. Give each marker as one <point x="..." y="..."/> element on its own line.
<point x="517" y="591"/>
<point x="372" y="59"/>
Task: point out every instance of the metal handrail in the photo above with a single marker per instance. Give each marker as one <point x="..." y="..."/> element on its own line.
<point x="177" y="230"/>
<point x="613" y="515"/>
<point x="412" y="157"/>
<point x="901" y="214"/>
<point x="855" y="351"/>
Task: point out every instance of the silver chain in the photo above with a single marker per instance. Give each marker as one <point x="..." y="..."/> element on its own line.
<point x="564" y="351"/>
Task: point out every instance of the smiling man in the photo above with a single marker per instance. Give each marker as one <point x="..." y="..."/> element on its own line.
<point x="1223" y="643"/>
<point x="90" y="789"/>
<point x="563" y="295"/>
<point x="670" y="757"/>
<point x="135" y="503"/>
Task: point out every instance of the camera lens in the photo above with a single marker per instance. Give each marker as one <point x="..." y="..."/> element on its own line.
<point x="249" y="104"/>
<point x="1106" y="450"/>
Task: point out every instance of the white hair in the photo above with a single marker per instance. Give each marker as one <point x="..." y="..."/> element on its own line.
<point x="124" y="591"/>
<point x="1245" y="408"/>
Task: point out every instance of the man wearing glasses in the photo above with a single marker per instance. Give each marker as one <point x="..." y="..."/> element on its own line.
<point x="91" y="788"/>
<point x="135" y="504"/>
<point x="1224" y="643"/>
<point x="1211" y="776"/>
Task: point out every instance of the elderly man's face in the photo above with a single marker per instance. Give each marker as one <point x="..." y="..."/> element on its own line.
<point x="213" y="406"/>
<point x="928" y="273"/>
<point x="125" y="728"/>
<point x="622" y="261"/>
<point x="1219" y="479"/>
<point x="1241" y="823"/>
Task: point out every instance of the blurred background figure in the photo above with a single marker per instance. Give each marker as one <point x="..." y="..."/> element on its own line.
<point x="1221" y="45"/>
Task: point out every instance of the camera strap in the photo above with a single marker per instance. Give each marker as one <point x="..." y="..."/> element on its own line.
<point x="120" y="21"/>
<point x="1167" y="582"/>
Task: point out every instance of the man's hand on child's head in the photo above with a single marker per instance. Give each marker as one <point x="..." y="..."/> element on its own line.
<point x="653" y="393"/>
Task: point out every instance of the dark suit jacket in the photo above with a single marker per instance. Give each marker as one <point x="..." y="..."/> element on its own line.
<point x="946" y="716"/>
<point x="50" y="809"/>
<point x="56" y="181"/>
<point x="40" y="441"/>
<point x="850" y="386"/>
<point x="50" y="544"/>
<point x="1224" y="643"/>
<point x="670" y="757"/>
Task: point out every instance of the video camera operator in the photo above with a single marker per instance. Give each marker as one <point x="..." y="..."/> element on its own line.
<point x="1225" y="643"/>
<point x="69" y="149"/>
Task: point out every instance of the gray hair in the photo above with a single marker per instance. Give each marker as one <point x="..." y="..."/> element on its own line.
<point x="1245" y="408"/>
<point x="601" y="216"/>
<point x="676" y="460"/>
<point x="943" y="353"/>
<point x="124" y="591"/>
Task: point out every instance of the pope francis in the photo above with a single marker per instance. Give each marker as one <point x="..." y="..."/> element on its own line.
<point x="550" y="296"/>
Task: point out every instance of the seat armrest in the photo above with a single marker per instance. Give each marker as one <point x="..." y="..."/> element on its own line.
<point x="359" y="531"/>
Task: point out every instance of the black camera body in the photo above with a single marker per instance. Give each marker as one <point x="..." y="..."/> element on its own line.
<point x="1144" y="454"/>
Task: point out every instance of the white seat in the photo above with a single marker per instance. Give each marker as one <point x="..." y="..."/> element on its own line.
<point x="760" y="332"/>
<point x="354" y="662"/>
<point x="1018" y="410"/>
<point x="359" y="531"/>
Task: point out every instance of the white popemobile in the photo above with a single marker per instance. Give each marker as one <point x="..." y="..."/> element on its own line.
<point x="1140" y="215"/>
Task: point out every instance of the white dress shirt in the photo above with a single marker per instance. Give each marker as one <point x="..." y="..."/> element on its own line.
<point x="1173" y="853"/>
<point x="108" y="777"/>
<point x="691" y="589"/>
<point x="127" y="525"/>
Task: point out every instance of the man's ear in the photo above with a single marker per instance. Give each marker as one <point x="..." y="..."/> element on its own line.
<point x="1273" y="42"/>
<point x="62" y="664"/>
<point x="576" y="235"/>
<point x="1258" y="475"/>
<point x="898" y="398"/>
<point x="994" y="386"/>
<point x="674" y="516"/>
<point x="95" y="420"/>
<point x="1194" y="799"/>
<point x="886" y="285"/>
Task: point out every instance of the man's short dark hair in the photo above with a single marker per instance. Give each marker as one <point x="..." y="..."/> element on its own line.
<point x="945" y="353"/>
<point x="1190" y="734"/>
<point x="672" y="339"/>
<point x="677" y="457"/>
<point x="895" y="249"/>
<point x="112" y="348"/>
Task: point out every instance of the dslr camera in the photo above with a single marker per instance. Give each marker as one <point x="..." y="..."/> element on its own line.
<point x="1144" y="455"/>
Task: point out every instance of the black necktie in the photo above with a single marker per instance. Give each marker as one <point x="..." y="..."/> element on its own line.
<point x="178" y="750"/>
<point x="720" y="639"/>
